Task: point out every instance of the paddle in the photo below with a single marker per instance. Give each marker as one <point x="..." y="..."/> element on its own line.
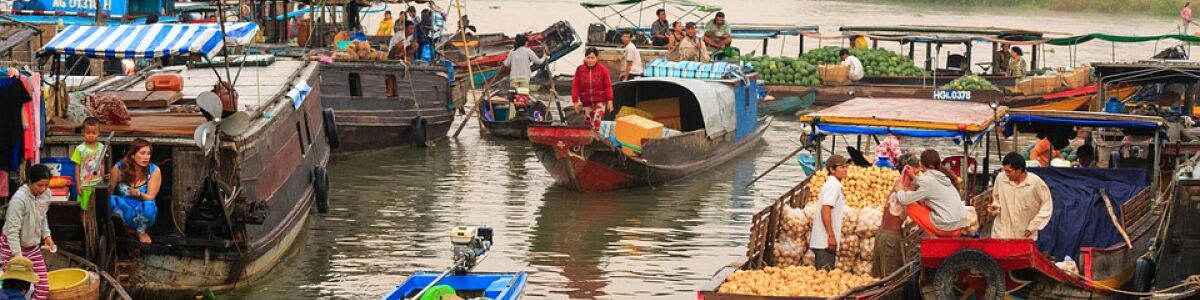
<point x="554" y="91"/>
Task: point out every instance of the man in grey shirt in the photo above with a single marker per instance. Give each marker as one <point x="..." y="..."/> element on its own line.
<point x="661" y="29"/>
<point x="520" y="63"/>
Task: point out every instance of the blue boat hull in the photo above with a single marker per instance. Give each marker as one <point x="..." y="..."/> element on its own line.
<point x="498" y="286"/>
<point x="787" y="105"/>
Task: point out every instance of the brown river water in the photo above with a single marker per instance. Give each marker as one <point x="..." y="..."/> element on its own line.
<point x="392" y="209"/>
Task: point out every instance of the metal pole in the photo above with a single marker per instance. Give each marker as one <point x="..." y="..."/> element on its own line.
<point x="1157" y="155"/>
<point x="962" y="168"/>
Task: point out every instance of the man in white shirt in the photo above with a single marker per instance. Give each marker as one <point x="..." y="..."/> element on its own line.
<point x="856" y="67"/>
<point x="827" y="228"/>
<point x="633" y="58"/>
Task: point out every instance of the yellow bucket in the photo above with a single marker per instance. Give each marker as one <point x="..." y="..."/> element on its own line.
<point x="67" y="278"/>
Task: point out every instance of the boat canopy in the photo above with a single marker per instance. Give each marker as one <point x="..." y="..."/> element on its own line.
<point x="1080" y="39"/>
<point x="1084" y="119"/>
<point x="921" y="118"/>
<point x="676" y="9"/>
<point x="1147" y="72"/>
<point x="147" y="41"/>
<point x="678" y="3"/>
<point x="703" y="104"/>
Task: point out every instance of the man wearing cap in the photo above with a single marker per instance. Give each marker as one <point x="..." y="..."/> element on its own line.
<point x="18" y="277"/>
<point x="827" y="230"/>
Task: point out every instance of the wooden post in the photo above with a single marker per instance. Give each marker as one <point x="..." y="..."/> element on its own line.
<point x="471" y="71"/>
<point x="1113" y="216"/>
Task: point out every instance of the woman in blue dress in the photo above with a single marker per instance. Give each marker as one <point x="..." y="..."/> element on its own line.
<point x="135" y="182"/>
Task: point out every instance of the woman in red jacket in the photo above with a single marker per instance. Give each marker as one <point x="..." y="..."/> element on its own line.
<point x="591" y="90"/>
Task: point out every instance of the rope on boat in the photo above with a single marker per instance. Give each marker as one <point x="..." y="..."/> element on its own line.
<point x="1192" y="281"/>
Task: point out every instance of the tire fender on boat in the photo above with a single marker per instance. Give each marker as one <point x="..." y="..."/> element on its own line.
<point x="964" y="260"/>
<point x="1143" y="275"/>
<point x="419" y="135"/>
<point x="321" y="187"/>
<point x="331" y="134"/>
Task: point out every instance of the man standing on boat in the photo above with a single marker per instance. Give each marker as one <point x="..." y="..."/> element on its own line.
<point x="1185" y="15"/>
<point x="690" y="48"/>
<point x="352" y="13"/>
<point x="1001" y="59"/>
<point x="1021" y="201"/>
<point x="1016" y="63"/>
<point x="719" y="35"/>
<point x="633" y="58"/>
<point x="520" y="63"/>
<point x="660" y="31"/>
<point x="856" y="67"/>
<point x="827" y="230"/>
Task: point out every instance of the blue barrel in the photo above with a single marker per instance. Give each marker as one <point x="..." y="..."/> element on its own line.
<point x="62" y="166"/>
<point x="1114" y="106"/>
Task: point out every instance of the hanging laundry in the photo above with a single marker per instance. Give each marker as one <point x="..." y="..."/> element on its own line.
<point x="35" y="126"/>
<point x="13" y="97"/>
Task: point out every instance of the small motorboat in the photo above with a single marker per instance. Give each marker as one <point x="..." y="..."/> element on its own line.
<point x="470" y="246"/>
<point x="509" y="113"/>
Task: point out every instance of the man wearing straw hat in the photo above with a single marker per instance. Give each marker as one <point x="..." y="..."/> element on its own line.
<point x="18" y="278"/>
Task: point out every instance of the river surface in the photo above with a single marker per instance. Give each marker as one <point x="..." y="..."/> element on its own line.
<point x="392" y="210"/>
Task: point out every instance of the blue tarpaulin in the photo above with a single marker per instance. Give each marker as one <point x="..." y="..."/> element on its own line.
<point x="1081" y="122"/>
<point x="1080" y="218"/>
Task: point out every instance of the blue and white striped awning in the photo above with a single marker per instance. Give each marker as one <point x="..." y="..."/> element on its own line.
<point x="147" y="41"/>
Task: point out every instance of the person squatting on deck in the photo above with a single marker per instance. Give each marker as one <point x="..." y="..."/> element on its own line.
<point x="887" y="256"/>
<point x="827" y="230"/>
<point x="719" y="36"/>
<point x="520" y="63"/>
<point x="1021" y="201"/>
<point x="935" y="204"/>
<point x="26" y="227"/>
<point x="18" y="278"/>
<point x="591" y="90"/>
<point x="135" y="182"/>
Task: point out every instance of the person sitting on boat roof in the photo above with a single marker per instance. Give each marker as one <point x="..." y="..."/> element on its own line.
<point x="1016" y="63"/>
<point x="135" y="182"/>
<point x="856" y="67"/>
<point x="935" y="205"/>
<point x="888" y="152"/>
<point x="520" y="63"/>
<point x="632" y="68"/>
<point x="26" y="227"/>
<point x="591" y="88"/>
<point x="691" y="48"/>
<point x="826" y="232"/>
<point x="1021" y="201"/>
<point x="719" y="34"/>
<point x="18" y="277"/>
<point x="659" y="31"/>
<point x="887" y="256"/>
<point x="385" y="26"/>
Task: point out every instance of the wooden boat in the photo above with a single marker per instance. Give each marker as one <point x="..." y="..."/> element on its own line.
<point x="502" y="116"/>
<point x="786" y="105"/>
<point x="498" y="286"/>
<point x="1079" y="99"/>
<point x="1019" y="267"/>
<point x="717" y="125"/>
<point x="212" y="231"/>
<point x="110" y="288"/>
<point x="905" y="117"/>
<point x="490" y="50"/>
<point x="387" y="104"/>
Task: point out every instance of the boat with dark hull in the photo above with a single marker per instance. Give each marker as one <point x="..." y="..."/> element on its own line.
<point x="387" y="104"/>
<point x="230" y="205"/>
<point x="717" y="120"/>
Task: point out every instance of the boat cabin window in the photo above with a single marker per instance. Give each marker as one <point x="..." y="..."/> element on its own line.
<point x="307" y="130"/>
<point x="390" y="81"/>
<point x="355" y="85"/>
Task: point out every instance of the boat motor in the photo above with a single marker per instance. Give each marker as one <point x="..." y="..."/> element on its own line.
<point x="470" y="246"/>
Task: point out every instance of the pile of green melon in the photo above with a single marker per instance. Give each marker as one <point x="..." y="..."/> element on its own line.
<point x="803" y="70"/>
<point x="970" y="83"/>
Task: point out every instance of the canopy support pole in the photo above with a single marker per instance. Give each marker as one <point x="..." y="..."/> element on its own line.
<point x="987" y="163"/>
<point x="1034" y="64"/>
<point x="929" y="58"/>
<point x="968" y="57"/>
<point x="801" y="53"/>
<point x="962" y="169"/>
<point x="1154" y="178"/>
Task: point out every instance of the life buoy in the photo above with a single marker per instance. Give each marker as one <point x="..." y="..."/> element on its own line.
<point x="321" y="187"/>
<point x="419" y="136"/>
<point x="968" y="259"/>
<point x="331" y="135"/>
